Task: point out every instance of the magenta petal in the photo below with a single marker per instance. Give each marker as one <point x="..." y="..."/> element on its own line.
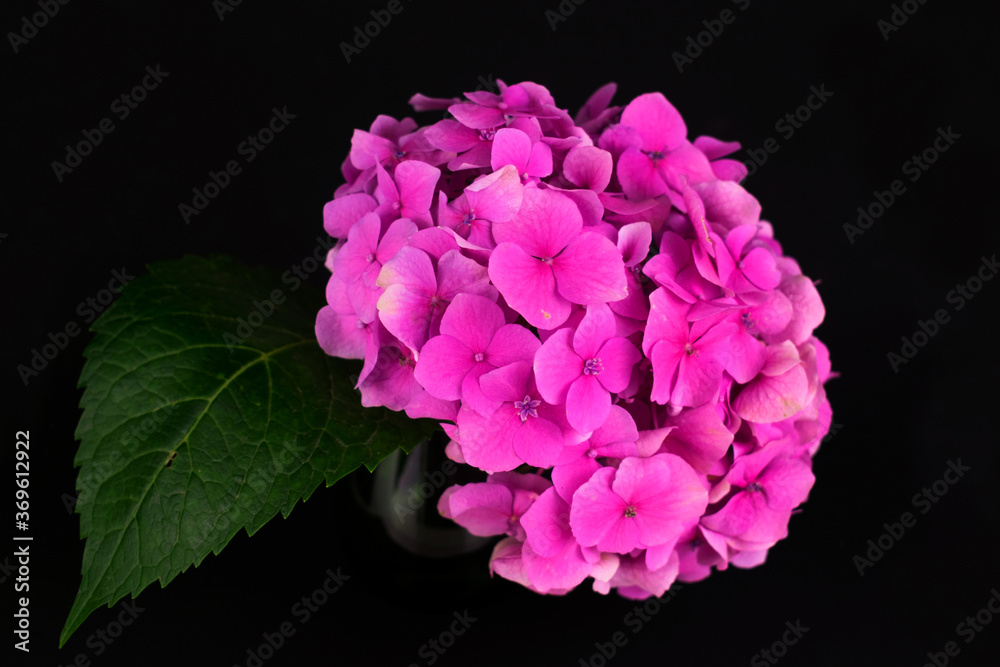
<point x="588" y="167"/>
<point x="786" y="482"/>
<point x="483" y="443"/>
<point x="807" y="313"/>
<point x="358" y="254"/>
<point x="457" y="273"/>
<point x="728" y="204"/>
<point x="473" y="320"/>
<point x="747" y="357"/>
<point x="701" y="438"/>
<point x="472" y="393"/>
<point x="452" y="136"/>
<point x="638" y="175"/>
<point x="546" y="524"/>
<point x="590" y="271"/>
<point x="618" y="356"/>
<point x="736" y="517"/>
<point x="416" y="181"/>
<point x="773" y="398"/>
<point x="368" y="149"/>
<point x="511" y="343"/>
<point x="567" y="477"/>
<point x="558" y="573"/>
<point x="597" y="516"/>
<point x="482" y="509"/>
<point x="700" y="372"/>
<point x="538" y="441"/>
<point x="666" y="360"/>
<point x="476" y="116"/>
<point x="338" y="334"/>
<point x="658" y="123"/>
<point x="557" y="366"/>
<point x="510" y="147"/>
<point x="545" y="224"/>
<point x="444" y="362"/>
<point x="497" y="196"/>
<point x="634" y="240"/>
<point x="340" y="214"/>
<point x="587" y="404"/>
<point x="528" y="285"/>
<point x="405" y="315"/>
<point x="759" y="268"/>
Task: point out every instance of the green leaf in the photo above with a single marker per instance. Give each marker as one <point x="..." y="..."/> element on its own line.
<point x="190" y="432"/>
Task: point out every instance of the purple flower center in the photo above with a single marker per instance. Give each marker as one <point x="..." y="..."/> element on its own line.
<point x="527" y="407"/>
<point x="370" y="257"/>
<point x="630" y="511"/>
<point x="754" y="487"/>
<point x="592" y="366"/>
<point x="479" y="356"/>
<point x="655" y="155"/>
<point x="399" y="154"/>
<point x="689" y="348"/>
<point x="469" y="217"/>
<point x="487" y="135"/>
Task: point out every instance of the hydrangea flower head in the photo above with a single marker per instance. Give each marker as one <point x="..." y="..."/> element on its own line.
<point x="595" y="311"/>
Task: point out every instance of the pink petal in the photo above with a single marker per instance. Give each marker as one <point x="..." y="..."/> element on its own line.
<point x="473" y="320"/>
<point x="510" y="147"/>
<point x="546" y="524"/>
<point x="475" y="116"/>
<point x="538" y="441"/>
<point x="444" y="362"/>
<point x="773" y="398"/>
<point x="596" y="327"/>
<point x="528" y="285"/>
<point x="369" y="149"/>
<point x="557" y="573"/>
<point x="587" y="403"/>
<point x="545" y="224"/>
<point x="658" y="123"/>
<point x="728" y="203"/>
<point x="557" y="366"/>
<point x="567" y="478"/>
<point x="588" y="167"/>
<point x="340" y="214"/>
<point x="539" y="161"/>
<point x="497" y="196"/>
<point x="482" y="509"/>
<point x="597" y="515"/>
<point x="590" y="271"/>
<point x="618" y="356"/>
<point x="452" y="136"/>
<point x="634" y="240"/>
<point x="638" y="175"/>
<point x="512" y="343"/>
<point x="416" y="181"/>
<point x="701" y="438"/>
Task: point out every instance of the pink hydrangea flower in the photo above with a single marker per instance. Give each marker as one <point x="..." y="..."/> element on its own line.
<point x="596" y="313"/>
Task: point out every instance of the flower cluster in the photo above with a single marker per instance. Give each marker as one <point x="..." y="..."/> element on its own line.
<point x="597" y="314"/>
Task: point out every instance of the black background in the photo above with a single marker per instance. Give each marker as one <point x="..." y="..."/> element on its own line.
<point x="896" y="431"/>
